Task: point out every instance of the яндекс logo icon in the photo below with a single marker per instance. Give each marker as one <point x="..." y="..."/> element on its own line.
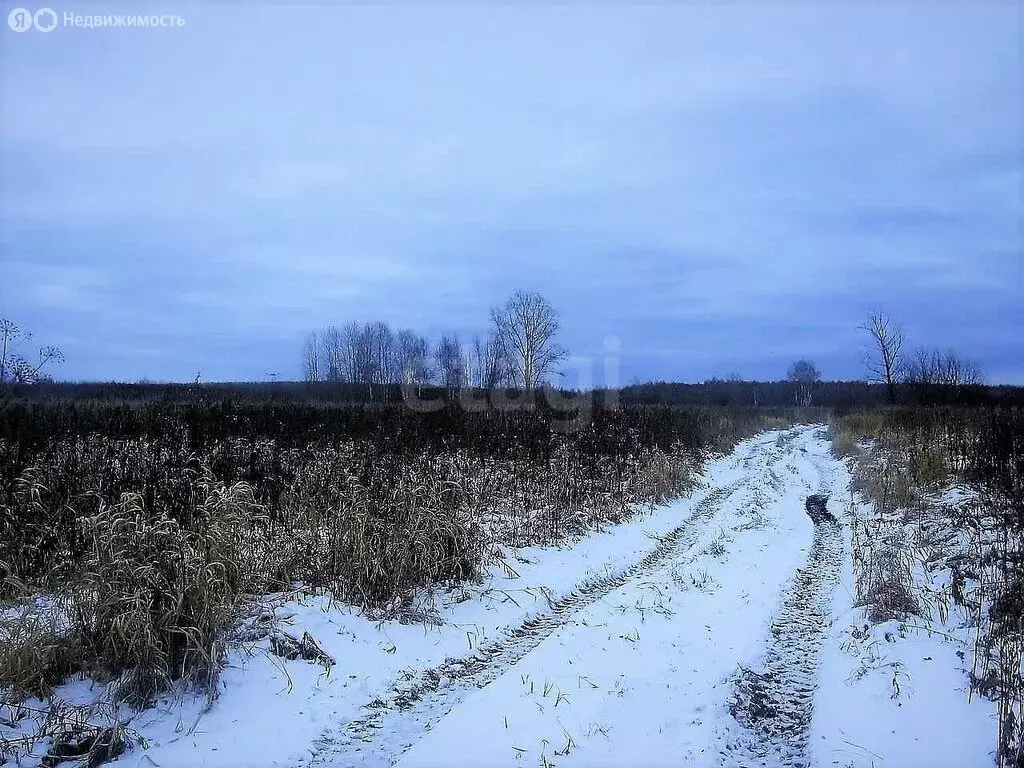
<point x="22" y="20"/>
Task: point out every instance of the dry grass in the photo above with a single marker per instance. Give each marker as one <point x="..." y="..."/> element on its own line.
<point x="909" y="533"/>
<point x="418" y="532"/>
<point x="844" y="440"/>
<point x="886" y="552"/>
<point x="884" y="580"/>
<point x="665" y="476"/>
<point x="154" y="598"/>
<point x="930" y="466"/>
<point x="36" y="652"/>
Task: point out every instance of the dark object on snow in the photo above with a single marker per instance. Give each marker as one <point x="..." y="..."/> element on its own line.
<point x="817" y="509"/>
<point x="309" y="648"/>
<point x="97" y="746"/>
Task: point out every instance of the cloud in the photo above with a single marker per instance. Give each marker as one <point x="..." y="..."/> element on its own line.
<point x="723" y="188"/>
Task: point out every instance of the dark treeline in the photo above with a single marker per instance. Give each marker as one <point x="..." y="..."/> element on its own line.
<point x="148" y="392"/>
<point x="826" y="394"/>
<point x="840" y="395"/>
<point x="31" y="426"/>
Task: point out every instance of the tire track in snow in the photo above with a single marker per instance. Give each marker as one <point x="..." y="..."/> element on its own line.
<point x="409" y="710"/>
<point x="390" y="726"/>
<point x="774" y="703"/>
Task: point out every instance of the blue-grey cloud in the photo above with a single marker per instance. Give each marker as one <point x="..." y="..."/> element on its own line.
<point x="721" y="189"/>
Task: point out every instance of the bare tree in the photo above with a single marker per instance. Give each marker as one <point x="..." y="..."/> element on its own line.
<point x="413" y="358"/>
<point x="367" y="353"/>
<point x="331" y="355"/>
<point x="451" y="362"/>
<point x="804" y="374"/>
<point x="960" y="372"/>
<point x="311" y="358"/>
<point x="525" y="327"/>
<point x="930" y="367"/>
<point x="382" y="355"/>
<point x="362" y="353"/>
<point x="923" y="368"/>
<point x="884" y="361"/>
<point x="488" y="368"/>
<point x="357" y="359"/>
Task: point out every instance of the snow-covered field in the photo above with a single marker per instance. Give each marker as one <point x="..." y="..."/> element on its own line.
<point x="713" y="631"/>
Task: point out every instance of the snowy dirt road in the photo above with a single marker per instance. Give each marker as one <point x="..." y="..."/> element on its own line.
<point x="703" y="651"/>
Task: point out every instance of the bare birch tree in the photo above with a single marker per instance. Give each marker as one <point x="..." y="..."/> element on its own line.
<point x="526" y="327"/>
<point x="311" y="358"/>
<point x="804" y="374"/>
<point x="382" y="353"/>
<point x="356" y="354"/>
<point x="331" y="354"/>
<point x="451" y="363"/>
<point x="884" y="361"/>
<point x="487" y="362"/>
<point x="413" y="358"/>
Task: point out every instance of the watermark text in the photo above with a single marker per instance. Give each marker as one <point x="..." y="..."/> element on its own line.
<point x="47" y="20"/>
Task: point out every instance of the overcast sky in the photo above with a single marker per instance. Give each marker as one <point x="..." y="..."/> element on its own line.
<point x="722" y="189"/>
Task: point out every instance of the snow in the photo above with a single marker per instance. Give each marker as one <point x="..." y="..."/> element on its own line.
<point x="644" y="672"/>
<point x="904" y="702"/>
<point x="897" y="693"/>
<point x="623" y="649"/>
